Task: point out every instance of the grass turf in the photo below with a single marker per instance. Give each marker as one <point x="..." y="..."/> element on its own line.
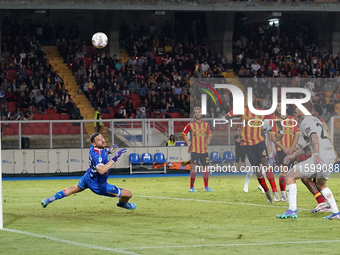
<point x="233" y="225"/>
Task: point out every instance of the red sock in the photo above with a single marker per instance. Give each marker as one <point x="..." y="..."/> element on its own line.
<point x="262" y="182"/>
<point x="319" y="198"/>
<point x="192" y="179"/>
<point x="271" y="179"/>
<point x="206" y="178"/>
<point x="282" y="182"/>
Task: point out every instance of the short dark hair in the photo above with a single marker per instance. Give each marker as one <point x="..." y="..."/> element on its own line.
<point x="93" y="136"/>
<point x="318" y="109"/>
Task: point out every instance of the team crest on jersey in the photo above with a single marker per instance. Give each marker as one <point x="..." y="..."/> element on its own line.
<point x="100" y="159"/>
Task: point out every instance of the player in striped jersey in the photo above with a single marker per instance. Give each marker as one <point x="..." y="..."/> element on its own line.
<point x="320" y="163"/>
<point x="254" y="142"/>
<point x="311" y="184"/>
<point x="285" y="146"/>
<point x="198" y="147"/>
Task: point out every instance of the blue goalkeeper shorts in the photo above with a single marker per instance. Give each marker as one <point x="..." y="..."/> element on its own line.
<point x="104" y="189"/>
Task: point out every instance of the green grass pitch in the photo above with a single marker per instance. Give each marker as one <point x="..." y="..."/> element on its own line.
<point x="236" y="223"/>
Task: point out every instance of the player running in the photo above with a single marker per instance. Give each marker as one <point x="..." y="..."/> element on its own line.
<point x="286" y="146"/>
<point x="96" y="175"/>
<point x="254" y="143"/>
<point x="311" y="184"/>
<point x="321" y="162"/>
<point x="198" y="148"/>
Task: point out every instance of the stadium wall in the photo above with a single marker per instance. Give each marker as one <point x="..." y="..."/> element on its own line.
<point x="68" y="161"/>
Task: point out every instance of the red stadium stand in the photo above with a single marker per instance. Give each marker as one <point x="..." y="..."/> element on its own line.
<point x="55" y="131"/>
<point x="42" y="125"/>
<point x="64" y="117"/>
<point x="51" y="111"/>
<point x="105" y="116"/>
<point x="63" y="131"/>
<point x="45" y="131"/>
<point x="55" y="116"/>
<point x="9" y="131"/>
<point x="36" y="131"/>
<point x="45" y="117"/>
<point x="26" y="131"/>
<point x="37" y="116"/>
<point x="73" y="130"/>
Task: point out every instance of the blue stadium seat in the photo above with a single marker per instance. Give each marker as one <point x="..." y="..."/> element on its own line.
<point x="147" y="158"/>
<point x="215" y="156"/>
<point x="228" y="156"/>
<point x="159" y="158"/>
<point x="134" y="158"/>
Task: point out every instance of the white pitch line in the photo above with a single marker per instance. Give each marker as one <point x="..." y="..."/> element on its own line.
<point x="220" y="202"/>
<point x="117" y="250"/>
<point x="231" y="244"/>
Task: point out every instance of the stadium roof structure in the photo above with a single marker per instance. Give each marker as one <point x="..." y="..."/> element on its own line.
<point x="171" y="5"/>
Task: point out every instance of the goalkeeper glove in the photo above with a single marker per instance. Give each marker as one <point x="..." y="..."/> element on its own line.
<point x="118" y="155"/>
<point x="112" y="149"/>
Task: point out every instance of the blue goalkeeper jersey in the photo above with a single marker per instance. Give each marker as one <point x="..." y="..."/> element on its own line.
<point x="97" y="157"/>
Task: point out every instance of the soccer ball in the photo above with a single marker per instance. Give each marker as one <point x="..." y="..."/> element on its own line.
<point x="99" y="40"/>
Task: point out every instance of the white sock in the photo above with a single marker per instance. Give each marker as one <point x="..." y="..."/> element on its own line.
<point x="248" y="176"/>
<point x="283" y="193"/>
<point x="291" y="193"/>
<point x="328" y="195"/>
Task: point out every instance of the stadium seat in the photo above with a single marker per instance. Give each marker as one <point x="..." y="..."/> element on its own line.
<point x="58" y="124"/>
<point x="105" y="116"/>
<point x="63" y="131"/>
<point x="45" y="117"/>
<point x="215" y="156"/>
<point x="36" y="131"/>
<point x="26" y="131"/>
<point x="147" y="158"/>
<point x="42" y="125"/>
<point x="37" y="116"/>
<point x="159" y="158"/>
<point x="55" y="116"/>
<point x="55" y="131"/>
<point x="51" y="111"/>
<point x="45" y="131"/>
<point x="8" y="131"/>
<point x="64" y="117"/>
<point x="73" y="130"/>
<point x="134" y="158"/>
<point x="228" y="156"/>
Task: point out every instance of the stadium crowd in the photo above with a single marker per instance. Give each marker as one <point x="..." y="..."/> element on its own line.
<point x="155" y="81"/>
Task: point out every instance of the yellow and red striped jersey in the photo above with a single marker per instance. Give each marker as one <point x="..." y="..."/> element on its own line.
<point x="251" y="135"/>
<point x="199" y="132"/>
<point x="288" y="129"/>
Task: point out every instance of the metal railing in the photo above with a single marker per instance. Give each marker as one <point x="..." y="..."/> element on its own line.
<point x="148" y="128"/>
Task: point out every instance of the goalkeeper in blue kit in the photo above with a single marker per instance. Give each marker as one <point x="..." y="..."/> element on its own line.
<point x="96" y="175"/>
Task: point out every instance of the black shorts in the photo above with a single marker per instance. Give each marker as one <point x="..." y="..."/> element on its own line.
<point x="280" y="156"/>
<point x="256" y="152"/>
<point x="240" y="154"/>
<point x="200" y="158"/>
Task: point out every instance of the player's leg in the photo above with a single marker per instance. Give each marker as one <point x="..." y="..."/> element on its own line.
<point x="255" y="153"/>
<point x="61" y="194"/>
<point x="193" y="171"/>
<point x="321" y="181"/>
<point x="328" y="195"/>
<point x="270" y="176"/>
<point x="280" y="155"/>
<point x="322" y="204"/>
<point x="110" y="190"/>
<point x="204" y="158"/>
<point x="299" y="171"/>
<point x="237" y="159"/>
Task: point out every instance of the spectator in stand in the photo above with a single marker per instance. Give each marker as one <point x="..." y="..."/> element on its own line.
<point x="129" y="108"/>
<point x="74" y="113"/>
<point x="143" y="92"/>
<point x="119" y="114"/>
<point x="62" y="107"/>
<point x="29" y="113"/>
<point x="170" y="106"/>
<point x="267" y="102"/>
<point x="329" y="108"/>
<point x="336" y="96"/>
<point x="98" y="124"/>
<point x="321" y="100"/>
<point x="141" y="111"/>
<point x="9" y="95"/>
